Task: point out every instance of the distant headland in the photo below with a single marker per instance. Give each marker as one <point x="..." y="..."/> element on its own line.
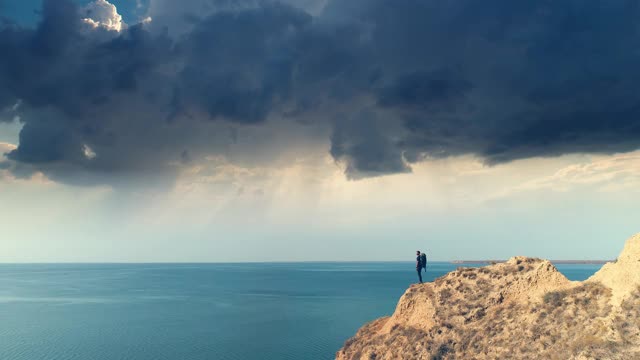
<point x="596" y="262"/>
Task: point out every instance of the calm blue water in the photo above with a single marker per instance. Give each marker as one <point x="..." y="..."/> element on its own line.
<point x="198" y="311"/>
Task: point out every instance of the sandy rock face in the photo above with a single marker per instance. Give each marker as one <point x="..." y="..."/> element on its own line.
<point x="623" y="275"/>
<point x="522" y="309"/>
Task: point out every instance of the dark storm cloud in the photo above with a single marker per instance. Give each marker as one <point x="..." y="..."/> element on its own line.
<point x="240" y="66"/>
<point x="396" y="81"/>
<point x="363" y="144"/>
<point x="509" y="80"/>
<point x="425" y="91"/>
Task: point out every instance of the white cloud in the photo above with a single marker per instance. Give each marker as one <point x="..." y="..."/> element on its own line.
<point x="5" y="173"/>
<point x="602" y="173"/>
<point x="311" y="188"/>
<point x="103" y="14"/>
<point x="88" y="152"/>
<point x="6" y="147"/>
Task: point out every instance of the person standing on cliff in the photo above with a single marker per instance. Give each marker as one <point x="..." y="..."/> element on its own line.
<point x="419" y="265"/>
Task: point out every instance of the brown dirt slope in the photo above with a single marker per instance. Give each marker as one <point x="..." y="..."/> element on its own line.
<point x="521" y="309"/>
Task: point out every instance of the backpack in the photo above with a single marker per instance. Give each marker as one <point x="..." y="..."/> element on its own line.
<point x="423" y="261"/>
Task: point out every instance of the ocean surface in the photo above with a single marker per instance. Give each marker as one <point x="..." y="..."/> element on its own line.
<point x="198" y="311"/>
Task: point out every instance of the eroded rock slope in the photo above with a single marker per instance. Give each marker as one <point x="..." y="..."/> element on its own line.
<point x="522" y="309"/>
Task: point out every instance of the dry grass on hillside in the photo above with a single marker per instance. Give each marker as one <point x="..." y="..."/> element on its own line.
<point x="476" y="318"/>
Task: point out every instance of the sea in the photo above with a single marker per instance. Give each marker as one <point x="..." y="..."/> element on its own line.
<point x="256" y="311"/>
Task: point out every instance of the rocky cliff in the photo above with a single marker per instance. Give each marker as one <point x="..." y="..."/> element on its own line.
<point x="522" y="309"/>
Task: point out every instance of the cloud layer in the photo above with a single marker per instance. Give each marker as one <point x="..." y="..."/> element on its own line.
<point x="387" y="83"/>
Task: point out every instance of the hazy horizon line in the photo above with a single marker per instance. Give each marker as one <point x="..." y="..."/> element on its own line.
<point x="455" y="262"/>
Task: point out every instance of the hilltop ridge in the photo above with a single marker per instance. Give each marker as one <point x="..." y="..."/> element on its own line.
<point x="523" y="308"/>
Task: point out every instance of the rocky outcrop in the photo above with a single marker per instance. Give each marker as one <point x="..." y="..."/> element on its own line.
<point x="522" y="309"/>
<point x="623" y="275"/>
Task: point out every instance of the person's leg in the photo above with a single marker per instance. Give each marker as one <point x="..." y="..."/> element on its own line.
<point x="420" y="275"/>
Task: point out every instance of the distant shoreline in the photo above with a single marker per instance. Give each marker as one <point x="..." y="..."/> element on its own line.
<point x="552" y="261"/>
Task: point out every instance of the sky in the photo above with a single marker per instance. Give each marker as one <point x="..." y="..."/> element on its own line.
<point x="317" y="130"/>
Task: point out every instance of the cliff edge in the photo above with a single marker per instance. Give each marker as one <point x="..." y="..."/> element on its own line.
<point x="522" y="309"/>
